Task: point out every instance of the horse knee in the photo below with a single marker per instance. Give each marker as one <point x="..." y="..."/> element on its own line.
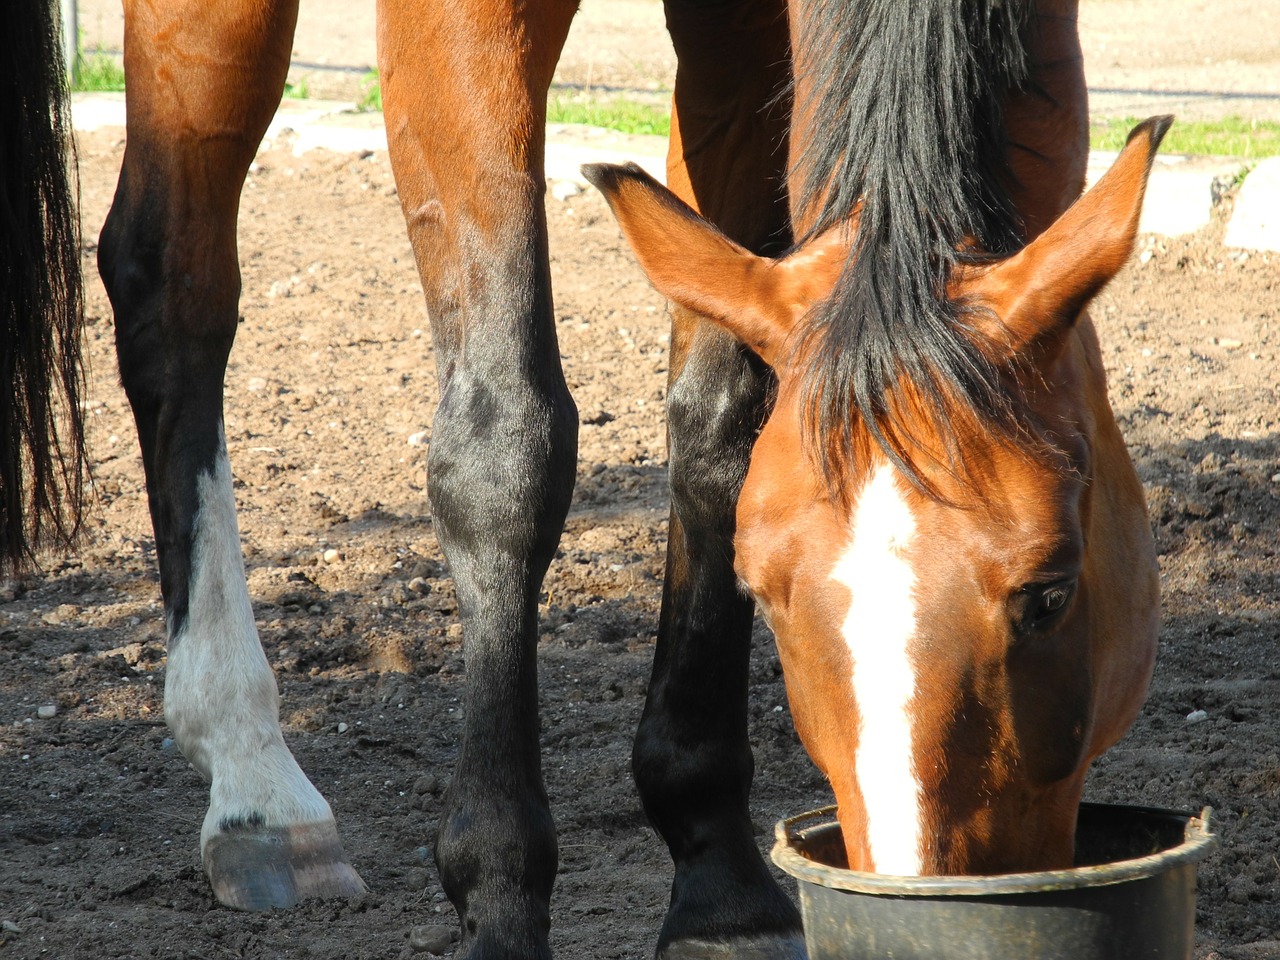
<point x="170" y="295"/>
<point x="714" y="409"/>
<point x="501" y="469"/>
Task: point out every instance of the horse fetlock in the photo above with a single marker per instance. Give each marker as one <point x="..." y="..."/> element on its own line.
<point x="511" y="942"/>
<point x="497" y="855"/>
<point x="725" y="903"/>
<point x="500" y="918"/>
<point x="491" y="853"/>
<point x="261" y="786"/>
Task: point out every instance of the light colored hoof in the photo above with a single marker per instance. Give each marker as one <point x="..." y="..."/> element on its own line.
<point x="254" y="868"/>
<point x="776" y="947"/>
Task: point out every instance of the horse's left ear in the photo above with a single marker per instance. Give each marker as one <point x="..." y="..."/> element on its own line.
<point x="1038" y="293"/>
<point x="757" y="299"/>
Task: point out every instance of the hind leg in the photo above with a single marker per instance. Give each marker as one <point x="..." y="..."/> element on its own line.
<point x="692" y="761"/>
<point x="464" y="86"/>
<point x="204" y="80"/>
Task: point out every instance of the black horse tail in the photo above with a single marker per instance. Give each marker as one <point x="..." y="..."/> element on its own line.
<point x="906" y="127"/>
<point x="42" y="452"/>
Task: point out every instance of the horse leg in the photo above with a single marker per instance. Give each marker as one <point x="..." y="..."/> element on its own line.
<point x="1048" y="120"/>
<point x="692" y="761"/>
<point x="204" y="80"/>
<point x="464" y="87"/>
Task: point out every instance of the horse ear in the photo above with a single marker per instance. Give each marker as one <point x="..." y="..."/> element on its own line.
<point x="689" y="261"/>
<point x="1038" y="293"/>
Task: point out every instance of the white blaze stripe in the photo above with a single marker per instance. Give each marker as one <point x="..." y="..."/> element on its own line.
<point x="878" y="630"/>
<point x="220" y="695"/>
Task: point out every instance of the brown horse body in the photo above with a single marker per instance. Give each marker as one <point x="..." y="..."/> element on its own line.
<point x="1015" y="595"/>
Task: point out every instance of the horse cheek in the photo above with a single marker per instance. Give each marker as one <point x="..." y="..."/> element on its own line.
<point x="1052" y="697"/>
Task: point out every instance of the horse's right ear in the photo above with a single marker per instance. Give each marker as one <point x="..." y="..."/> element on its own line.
<point x="690" y="262"/>
<point x="1039" y="292"/>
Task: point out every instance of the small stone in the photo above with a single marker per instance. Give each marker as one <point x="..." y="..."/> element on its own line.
<point x="420" y="586"/>
<point x="416" y="879"/>
<point x="47" y="712"/>
<point x="1275" y="478"/>
<point x="1196" y="716"/>
<point x="1145" y="256"/>
<point x="8" y="926"/>
<point x="343" y="728"/>
<point x="432" y="938"/>
<point x="168" y="745"/>
<point x="1211" y="463"/>
<point x="331" y="556"/>
<point x="1198" y="508"/>
<point x="562" y="190"/>
<point x="422" y="853"/>
<point x="420" y="438"/>
<point x="454" y="630"/>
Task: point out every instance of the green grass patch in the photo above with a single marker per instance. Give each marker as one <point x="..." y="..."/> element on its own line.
<point x="298" y="91"/>
<point x="625" y="116"/>
<point x="98" y="73"/>
<point x="1230" y="137"/>
<point x="370" y="93"/>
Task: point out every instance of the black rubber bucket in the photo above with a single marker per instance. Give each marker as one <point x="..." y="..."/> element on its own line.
<point x="1131" y="896"/>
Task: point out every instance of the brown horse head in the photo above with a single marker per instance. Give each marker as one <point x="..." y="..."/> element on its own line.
<point x="961" y="634"/>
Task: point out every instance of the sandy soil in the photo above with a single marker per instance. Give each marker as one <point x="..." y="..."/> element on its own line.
<point x="331" y="377"/>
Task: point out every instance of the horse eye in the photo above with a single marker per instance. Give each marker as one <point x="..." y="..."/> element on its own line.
<point x="1043" y="603"/>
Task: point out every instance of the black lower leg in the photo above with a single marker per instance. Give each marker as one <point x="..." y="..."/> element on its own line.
<point x="502" y="462"/>
<point x="172" y="342"/>
<point x="692" y="761"/>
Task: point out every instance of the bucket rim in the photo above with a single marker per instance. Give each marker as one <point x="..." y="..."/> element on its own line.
<point x="1198" y="841"/>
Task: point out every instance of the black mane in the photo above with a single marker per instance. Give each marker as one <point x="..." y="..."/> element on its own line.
<point x="908" y="130"/>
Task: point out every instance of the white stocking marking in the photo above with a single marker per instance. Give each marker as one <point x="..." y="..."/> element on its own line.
<point x="220" y="695"/>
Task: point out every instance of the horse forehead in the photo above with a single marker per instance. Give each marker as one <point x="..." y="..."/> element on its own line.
<point x="987" y="532"/>
<point x="875" y="562"/>
<point x="882" y="518"/>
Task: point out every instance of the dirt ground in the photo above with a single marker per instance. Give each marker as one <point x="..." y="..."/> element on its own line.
<point x="329" y="400"/>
